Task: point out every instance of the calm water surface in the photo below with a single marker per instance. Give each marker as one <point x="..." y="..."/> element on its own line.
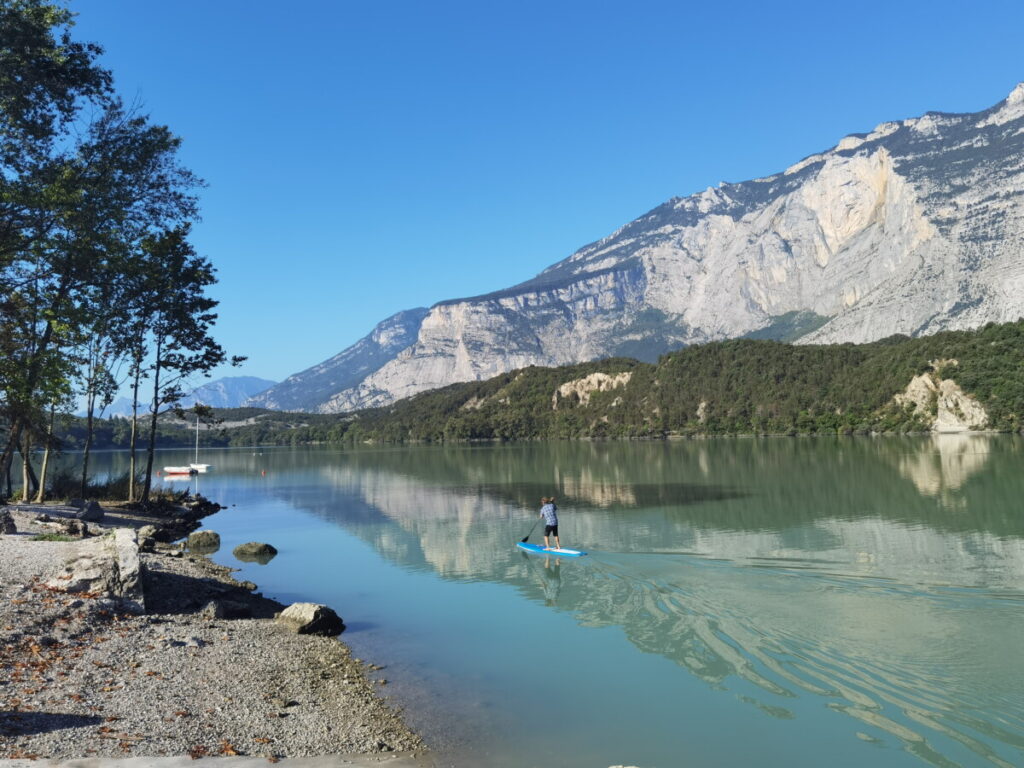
<point x="790" y="602"/>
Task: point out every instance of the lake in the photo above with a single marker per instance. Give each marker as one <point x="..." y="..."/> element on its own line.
<point x="796" y="602"/>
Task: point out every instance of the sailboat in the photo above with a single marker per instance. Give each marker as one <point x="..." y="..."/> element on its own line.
<point x="195" y="466"/>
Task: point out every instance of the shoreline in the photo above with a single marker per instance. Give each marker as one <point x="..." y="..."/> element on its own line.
<point x="204" y="671"/>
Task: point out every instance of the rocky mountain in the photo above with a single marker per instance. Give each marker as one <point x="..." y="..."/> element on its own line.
<point x="912" y="228"/>
<point x="349" y="369"/>
<point x="227" y="392"/>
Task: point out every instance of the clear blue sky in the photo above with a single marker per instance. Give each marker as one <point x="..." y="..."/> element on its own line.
<point x="364" y="158"/>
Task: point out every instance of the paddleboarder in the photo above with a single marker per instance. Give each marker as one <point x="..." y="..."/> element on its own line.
<point x="549" y="512"/>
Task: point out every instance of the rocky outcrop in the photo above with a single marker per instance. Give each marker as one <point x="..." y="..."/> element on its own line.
<point x="107" y="566"/>
<point x="311" y="619"/>
<point x="941" y="403"/>
<point x="580" y="390"/>
<point x="912" y="228"/>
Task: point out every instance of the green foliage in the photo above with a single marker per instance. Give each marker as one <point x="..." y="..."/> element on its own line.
<point x="742" y="386"/>
<point x="95" y="264"/>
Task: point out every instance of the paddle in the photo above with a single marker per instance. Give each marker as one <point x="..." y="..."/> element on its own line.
<point x="531" y="530"/>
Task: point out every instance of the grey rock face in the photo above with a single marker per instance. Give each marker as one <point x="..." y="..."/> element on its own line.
<point x="311" y="619"/>
<point x="912" y="228"/>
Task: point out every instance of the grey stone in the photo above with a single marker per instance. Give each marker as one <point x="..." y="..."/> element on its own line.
<point x="76" y="528"/>
<point x="226" y="609"/>
<point x="204" y="541"/>
<point x="255" y="552"/>
<point x="7" y="526"/>
<point x="108" y="566"/>
<point x="311" y="619"/>
<point x="90" y="513"/>
<point x="214" y="609"/>
<point x="148" y="532"/>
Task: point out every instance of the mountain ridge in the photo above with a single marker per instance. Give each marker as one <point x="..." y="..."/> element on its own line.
<point x="913" y="227"/>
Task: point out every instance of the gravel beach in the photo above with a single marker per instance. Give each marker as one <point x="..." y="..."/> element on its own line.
<point x="80" y="677"/>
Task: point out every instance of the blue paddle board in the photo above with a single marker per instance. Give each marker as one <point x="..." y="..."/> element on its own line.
<point x="537" y="549"/>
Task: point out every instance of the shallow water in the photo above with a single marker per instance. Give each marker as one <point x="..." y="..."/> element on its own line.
<point x="795" y="602"/>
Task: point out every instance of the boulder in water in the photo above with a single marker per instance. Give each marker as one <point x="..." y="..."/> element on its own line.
<point x="311" y="619"/>
<point x="204" y="541"/>
<point x="255" y="552"/>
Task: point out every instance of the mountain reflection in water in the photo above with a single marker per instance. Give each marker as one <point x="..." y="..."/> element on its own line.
<point x="885" y="578"/>
<point x="853" y="601"/>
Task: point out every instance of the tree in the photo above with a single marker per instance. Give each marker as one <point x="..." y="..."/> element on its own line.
<point x="83" y="182"/>
<point x="179" y="323"/>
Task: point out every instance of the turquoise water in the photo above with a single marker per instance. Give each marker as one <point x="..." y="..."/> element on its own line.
<point x="791" y="602"/>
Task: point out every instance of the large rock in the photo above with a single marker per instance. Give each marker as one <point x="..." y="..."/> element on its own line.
<point x="7" y="526"/>
<point x="90" y="513"/>
<point x="204" y="541"/>
<point x="311" y="619"/>
<point x="255" y="552"/>
<point x="107" y="566"/>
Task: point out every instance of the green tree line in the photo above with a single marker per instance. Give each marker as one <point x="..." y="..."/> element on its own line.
<point x="742" y="386"/>
<point x="99" y="285"/>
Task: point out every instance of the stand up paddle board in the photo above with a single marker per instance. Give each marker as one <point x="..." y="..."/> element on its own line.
<point x="537" y="549"/>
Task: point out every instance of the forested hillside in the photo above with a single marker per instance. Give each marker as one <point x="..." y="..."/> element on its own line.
<point x="743" y="386"/>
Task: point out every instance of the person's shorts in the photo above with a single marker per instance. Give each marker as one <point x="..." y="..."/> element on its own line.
<point x="550" y="530"/>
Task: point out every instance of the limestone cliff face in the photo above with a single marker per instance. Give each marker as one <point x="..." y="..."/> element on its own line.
<point x="580" y="390"/>
<point x="915" y="227"/>
<point x="942" y="403"/>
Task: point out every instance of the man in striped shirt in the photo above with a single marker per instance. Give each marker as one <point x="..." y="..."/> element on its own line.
<point x="549" y="512"/>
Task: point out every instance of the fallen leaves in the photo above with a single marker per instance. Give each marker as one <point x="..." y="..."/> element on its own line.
<point x="198" y="751"/>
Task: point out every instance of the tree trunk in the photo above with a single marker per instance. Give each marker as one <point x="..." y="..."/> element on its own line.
<point x="26" y="468"/>
<point x="7" y="458"/>
<point x="41" y="493"/>
<point x="135" y="431"/>
<point x="17" y="423"/>
<point x="155" y="408"/>
<point x="90" y="408"/>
